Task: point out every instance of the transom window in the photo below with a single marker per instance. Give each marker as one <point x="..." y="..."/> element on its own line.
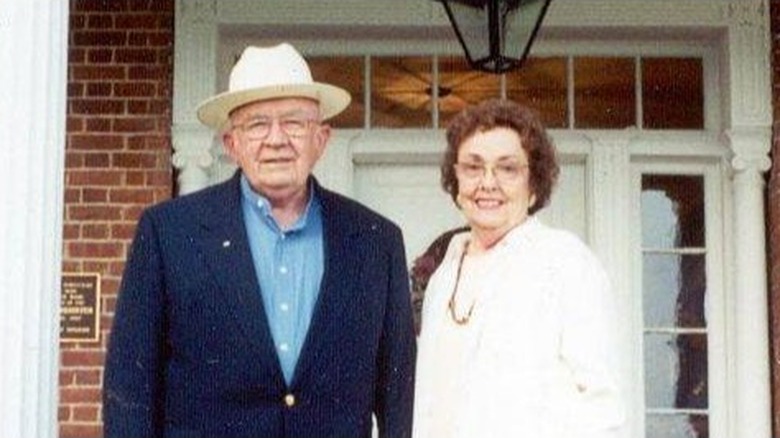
<point x="569" y="92"/>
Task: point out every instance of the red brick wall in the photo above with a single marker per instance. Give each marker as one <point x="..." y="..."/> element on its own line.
<point x="773" y="218"/>
<point x="117" y="163"/>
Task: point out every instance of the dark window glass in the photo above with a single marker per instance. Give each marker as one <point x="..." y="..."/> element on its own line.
<point x="604" y="93"/>
<point x="674" y="289"/>
<point x="345" y="72"/>
<point x="675" y="371"/>
<point x="461" y="86"/>
<point x="401" y="92"/>
<point x="672" y="211"/>
<point x="672" y="93"/>
<point x="677" y="426"/>
<point x="541" y="85"/>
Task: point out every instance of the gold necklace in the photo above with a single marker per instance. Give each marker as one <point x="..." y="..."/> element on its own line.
<point x="462" y="320"/>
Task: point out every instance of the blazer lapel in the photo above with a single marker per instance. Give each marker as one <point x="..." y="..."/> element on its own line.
<point x="225" y="248"/>
<point x="339" y="276"/>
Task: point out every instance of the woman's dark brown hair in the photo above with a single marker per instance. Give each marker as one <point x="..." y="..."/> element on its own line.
<point x="495" y="113"/>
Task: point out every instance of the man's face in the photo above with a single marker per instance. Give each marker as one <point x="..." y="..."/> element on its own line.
<point x="276" y="144"/>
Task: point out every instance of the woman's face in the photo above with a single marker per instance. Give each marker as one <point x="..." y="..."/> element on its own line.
<point x="493" y="186"/>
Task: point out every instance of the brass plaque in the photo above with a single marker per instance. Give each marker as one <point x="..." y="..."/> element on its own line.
<point x="80" y="308"/>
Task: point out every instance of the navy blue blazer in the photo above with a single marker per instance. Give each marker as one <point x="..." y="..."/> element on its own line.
<point x="191" y="352"/>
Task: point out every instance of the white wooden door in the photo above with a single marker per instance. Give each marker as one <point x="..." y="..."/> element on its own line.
<point x="410" y="194"/>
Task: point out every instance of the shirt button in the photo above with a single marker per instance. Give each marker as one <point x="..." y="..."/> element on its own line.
<point x="289" y="400"/>
<point x="284" y="347"/>
<point x="283" y="269"/>
<point x="284" y="306"/>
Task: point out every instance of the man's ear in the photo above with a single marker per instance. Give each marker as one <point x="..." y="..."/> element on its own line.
<point x="321" y="138"/>
<point x="230" y="145"/>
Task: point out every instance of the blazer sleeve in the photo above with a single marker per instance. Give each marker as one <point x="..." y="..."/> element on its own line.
<point x="397" y="350"/>
<point x="132" y="398"/>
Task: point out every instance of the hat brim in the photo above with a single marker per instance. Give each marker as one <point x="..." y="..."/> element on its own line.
<point x="214" y="112"/>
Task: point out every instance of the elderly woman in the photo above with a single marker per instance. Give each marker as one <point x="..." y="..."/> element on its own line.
<point x="516" y="338"/>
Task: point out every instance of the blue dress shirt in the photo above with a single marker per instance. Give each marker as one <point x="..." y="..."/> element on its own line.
<point x="289" y="265"/>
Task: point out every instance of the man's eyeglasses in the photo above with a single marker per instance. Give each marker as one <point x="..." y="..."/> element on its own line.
<point x="260" y="128"/>
<point x="503" y="172"/>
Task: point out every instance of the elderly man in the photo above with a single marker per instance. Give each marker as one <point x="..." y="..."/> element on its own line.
<point x="265" y="306"/>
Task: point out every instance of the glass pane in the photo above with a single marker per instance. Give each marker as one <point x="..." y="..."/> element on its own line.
<point x="401" y="92"/>
<point x="522" y="19"/>
<point x="672" y="93"/>
<point x="674" y="287"/>
<point x="604" y="93"/>
<point x="462" y="86"/>
<point x="672" y="211"/>
<point x="472" y="24"/>
<point x="675" y="371"/>
<point x="541" y="85"/>
<point x="677" y="426"/>
<point x="345" y="72"/>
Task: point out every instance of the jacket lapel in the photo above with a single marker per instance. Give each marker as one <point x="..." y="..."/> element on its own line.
<point x="225" y="249"/>
<point x="341" y="271"/>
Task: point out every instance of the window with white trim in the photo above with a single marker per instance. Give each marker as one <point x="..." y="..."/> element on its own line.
<point x="679" y="259"/>
<point x="674" y="287"/>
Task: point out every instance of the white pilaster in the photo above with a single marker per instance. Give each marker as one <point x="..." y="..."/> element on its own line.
<point x="752" y="402"/>
<point x="749" y="69"/>
<point x="194" y="80"/>
<point x="192" y="156"/>
<point x="33" y="62"/>
<point x="609" y="235"/>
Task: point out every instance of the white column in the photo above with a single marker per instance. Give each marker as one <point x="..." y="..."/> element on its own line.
<point x="33" y="62"/>
<point x="749" y="132"/>
<point x="753" y="399"/>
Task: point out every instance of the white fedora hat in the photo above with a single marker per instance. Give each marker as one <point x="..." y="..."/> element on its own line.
<point x="264" y="73"/>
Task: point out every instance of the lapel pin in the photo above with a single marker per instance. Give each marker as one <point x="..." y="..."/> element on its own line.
<point x="226" y="244"/>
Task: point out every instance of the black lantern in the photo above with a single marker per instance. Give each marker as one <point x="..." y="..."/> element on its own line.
<point x="496" y="34"/>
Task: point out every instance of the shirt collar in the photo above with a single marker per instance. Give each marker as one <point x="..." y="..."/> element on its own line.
<point x="262" y="205"/>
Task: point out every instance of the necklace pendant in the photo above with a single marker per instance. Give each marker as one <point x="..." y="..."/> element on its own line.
<point x="462" y="320"/>
<point x="459" y="320"/>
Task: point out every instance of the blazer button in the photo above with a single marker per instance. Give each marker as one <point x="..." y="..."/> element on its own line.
<point x="289" y="400"/>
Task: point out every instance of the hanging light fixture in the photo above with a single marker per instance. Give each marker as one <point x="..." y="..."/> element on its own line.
<point x="496" y="34"/>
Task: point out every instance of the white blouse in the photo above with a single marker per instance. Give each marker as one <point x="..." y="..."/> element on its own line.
<point x="537" y="358"/>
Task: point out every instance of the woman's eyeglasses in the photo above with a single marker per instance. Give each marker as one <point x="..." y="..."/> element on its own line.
<point x="503" y="172"/>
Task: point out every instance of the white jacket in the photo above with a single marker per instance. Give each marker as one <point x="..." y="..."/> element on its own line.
<point x="542" y="363"/>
